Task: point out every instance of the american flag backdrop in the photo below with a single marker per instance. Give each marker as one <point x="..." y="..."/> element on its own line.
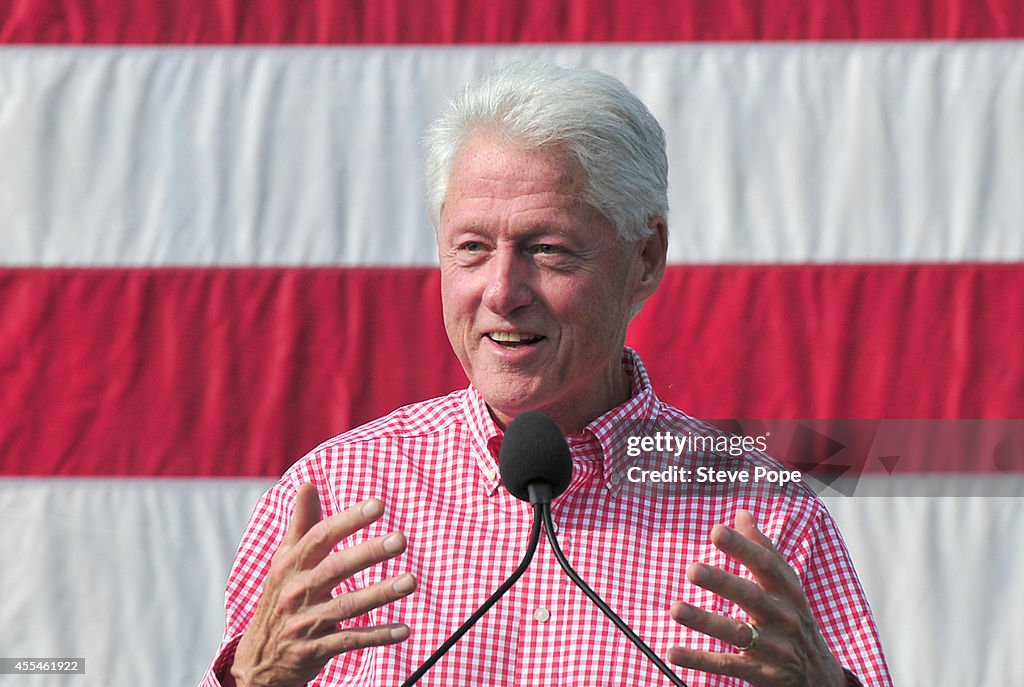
<point x="214" y="254"/>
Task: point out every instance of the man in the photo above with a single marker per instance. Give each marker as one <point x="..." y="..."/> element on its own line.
<point x="548" y="190"/>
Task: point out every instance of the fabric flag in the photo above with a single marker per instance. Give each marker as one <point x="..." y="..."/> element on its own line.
<point x="214" y="254"/>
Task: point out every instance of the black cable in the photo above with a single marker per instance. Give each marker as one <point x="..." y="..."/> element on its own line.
<point x="531" y="549"/>
<point x="549" y="529"/>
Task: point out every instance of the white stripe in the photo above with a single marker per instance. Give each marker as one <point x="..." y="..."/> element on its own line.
<point x="130" y="574"/>
<point x="943" y="581"/>
<point x="300" y="156"/>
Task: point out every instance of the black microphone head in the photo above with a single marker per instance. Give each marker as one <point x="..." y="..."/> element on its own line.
<point x="534" y="450"/>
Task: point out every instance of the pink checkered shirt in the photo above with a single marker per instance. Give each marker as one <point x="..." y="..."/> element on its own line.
<point x="434" y="465"/>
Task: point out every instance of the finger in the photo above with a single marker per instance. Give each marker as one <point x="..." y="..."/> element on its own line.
<point x="767" y="566"/>
<point x="744" y="593"/>
<point x="736" y="665"/>
<point x="323" y="536"/>
<point x="344" y="564"/>
<point x="305" y="514"/>
<point x="354" y="604"/>
<point x="353" y="638"/>
<point x="729" y="630"/>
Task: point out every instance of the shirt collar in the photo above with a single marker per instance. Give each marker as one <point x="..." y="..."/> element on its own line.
<point x="603" y="439"/>
<point x="613" y="429"/>
<point x="485" y="436"/>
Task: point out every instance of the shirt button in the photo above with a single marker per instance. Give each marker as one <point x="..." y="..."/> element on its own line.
<point x="554" y="527"/>
<point x="541" y="615"/>
<point x="616" y="478"/>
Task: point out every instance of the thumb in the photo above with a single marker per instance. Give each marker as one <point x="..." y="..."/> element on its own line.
<point x="746" y="524"/>
<point x="306" y="513"/>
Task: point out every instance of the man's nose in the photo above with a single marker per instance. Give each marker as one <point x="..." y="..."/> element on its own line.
<point x="509" y="281"/>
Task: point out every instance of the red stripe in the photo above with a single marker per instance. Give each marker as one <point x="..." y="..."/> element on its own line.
<point x="207" y="371"/>
<point x="500" y="21"/>
<point x="233" y="372"/>
<point x="839" y="341"/>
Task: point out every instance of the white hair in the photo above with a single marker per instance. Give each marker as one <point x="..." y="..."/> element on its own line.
<point x="608" y="130"/>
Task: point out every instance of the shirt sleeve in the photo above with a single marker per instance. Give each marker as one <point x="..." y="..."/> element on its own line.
<point x="840" y="604"/>
<point x="215" y="673"/>
<point x="261" y="539"/>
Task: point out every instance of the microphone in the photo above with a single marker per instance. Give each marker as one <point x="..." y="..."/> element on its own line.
<point x="535" y="466"/>
<point x="534" y="462"/>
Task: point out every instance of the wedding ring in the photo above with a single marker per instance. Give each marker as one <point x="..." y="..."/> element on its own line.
<point x="754" y="636"/>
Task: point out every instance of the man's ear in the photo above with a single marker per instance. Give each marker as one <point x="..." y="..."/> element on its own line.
<point x="653" y="252"/>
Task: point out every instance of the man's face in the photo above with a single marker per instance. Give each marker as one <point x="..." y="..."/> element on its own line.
<point x="535" y="285"/>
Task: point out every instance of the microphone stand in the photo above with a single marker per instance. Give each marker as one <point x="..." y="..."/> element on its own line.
<point x="549" y="530"/>
<point x="531" y="549"/>
<point x="540" y="497"/>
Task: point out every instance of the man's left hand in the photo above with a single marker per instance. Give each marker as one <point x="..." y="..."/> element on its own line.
<point x="786" y="648"/>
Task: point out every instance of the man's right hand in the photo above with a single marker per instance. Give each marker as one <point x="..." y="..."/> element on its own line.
<point x="294" y="631"/>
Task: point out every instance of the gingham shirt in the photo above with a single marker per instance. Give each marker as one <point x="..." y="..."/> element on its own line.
<point x="434" y="465"/>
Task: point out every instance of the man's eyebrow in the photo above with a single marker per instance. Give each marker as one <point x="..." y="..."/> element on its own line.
<point x="550" y="229"/>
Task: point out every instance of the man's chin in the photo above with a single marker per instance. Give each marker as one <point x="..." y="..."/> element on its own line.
<point x="505" y="403"/>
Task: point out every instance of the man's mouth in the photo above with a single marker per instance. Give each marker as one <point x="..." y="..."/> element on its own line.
<point x="513" y="339"/>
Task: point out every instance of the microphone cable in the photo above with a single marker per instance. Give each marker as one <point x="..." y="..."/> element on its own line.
<point x="599" y="602"/>
<point x="531" y="549"/>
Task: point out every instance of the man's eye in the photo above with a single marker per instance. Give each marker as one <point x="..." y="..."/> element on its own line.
<point x="472" y="246"/>
<point x="546" y="249"/>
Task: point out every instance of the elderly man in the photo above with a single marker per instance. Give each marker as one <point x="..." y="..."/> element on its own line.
<point x="548" y="189"/>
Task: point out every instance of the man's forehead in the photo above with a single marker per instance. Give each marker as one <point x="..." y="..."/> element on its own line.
<point x="486" y="158"/>
<point x="543" y="186"/>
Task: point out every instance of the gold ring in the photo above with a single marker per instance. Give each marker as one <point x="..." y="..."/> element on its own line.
<point x="754" y="636"/>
